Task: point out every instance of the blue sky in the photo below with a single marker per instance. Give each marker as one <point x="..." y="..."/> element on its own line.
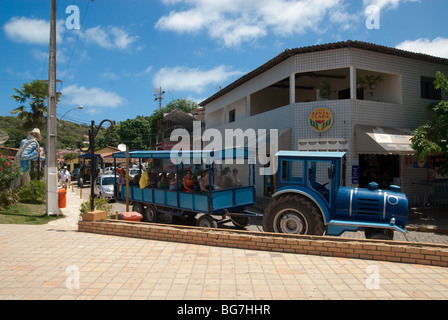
<point x="124" y="50"/>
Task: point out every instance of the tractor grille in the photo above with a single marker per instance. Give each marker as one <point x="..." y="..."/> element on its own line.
<point x="368" y="206"/>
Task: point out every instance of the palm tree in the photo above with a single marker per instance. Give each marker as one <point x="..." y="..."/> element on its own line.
<point x="35" y="93"/>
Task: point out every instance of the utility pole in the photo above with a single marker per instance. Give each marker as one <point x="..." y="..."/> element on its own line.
<point x="51" y="165"/>
<point x="159" y="96"/>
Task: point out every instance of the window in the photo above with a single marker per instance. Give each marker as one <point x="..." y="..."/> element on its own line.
<point x="427" y="89"/>
<point x="292" y="171"/>
<point x="232" y="116"/>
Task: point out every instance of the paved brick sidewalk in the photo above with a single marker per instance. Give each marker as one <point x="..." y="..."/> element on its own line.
<point x="50" y="261"/>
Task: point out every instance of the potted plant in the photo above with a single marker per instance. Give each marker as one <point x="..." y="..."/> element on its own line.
<point x="369" y="81"/>
<point x="325" y="90"/>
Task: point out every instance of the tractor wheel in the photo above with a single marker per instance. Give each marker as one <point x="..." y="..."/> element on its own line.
<point x="151" y="214"/>
<point x="293" y="214"/>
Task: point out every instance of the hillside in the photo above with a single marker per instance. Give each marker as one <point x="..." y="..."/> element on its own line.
<point x="69" y="133"/>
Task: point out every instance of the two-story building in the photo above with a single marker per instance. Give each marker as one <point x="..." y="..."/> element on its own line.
<point x="360" y="98"/>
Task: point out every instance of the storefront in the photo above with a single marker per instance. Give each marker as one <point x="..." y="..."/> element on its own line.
<point x="381" y="151"/>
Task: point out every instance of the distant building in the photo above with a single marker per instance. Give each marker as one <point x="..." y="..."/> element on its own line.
<point x="320" y="99"/>
<point x="178" y="119"/>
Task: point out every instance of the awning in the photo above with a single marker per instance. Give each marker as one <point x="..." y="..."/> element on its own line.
<point x="383" y="140"/>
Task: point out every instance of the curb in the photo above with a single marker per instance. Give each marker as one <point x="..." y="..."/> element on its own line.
<point x="392" y="251"/>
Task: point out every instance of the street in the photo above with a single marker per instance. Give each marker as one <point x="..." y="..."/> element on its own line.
<point x="255" y="225"/>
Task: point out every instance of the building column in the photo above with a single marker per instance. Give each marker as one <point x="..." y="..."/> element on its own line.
<point x="292" y="88"/>
<point x="353" y="84"/>
<point x="248" y="106"/>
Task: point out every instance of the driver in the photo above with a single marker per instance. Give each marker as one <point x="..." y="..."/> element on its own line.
<point x="316" y="185"/>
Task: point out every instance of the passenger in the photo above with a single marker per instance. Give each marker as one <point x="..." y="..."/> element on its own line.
<point x="173" y="183"/>
<point x="121" y="180"/>
<point x="204" y="182"/>
<point x="188" y="183"/>
<point x="196" y="187"/>
<point x="136" y="179"/>
<point x="144" y="180"/>
<point x="225" y="181"/>
<point x="236" y="182"/>
<point x="163" y="184"/>
<point x="169" y="178"/>
<point x="153" y="180"/>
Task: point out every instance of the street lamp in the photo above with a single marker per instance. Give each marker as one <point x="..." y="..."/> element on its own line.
<point x="92" y="134"/>
<point x="77" y="108"/>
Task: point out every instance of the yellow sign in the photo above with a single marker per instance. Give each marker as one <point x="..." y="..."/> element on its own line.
<point x="321" y="119"/>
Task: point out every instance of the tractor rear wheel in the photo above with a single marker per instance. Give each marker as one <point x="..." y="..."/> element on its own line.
<point x="293" y="214"/>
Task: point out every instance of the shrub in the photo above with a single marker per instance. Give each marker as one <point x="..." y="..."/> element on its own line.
<point x="100" y="204"/>
<point x="34" y="192"/>
<point x="8" y="173"/>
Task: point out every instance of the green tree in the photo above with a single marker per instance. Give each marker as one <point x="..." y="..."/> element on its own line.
<point x="135" y="133"/>
<point x="108" y="137"/>
<point x="430" y="139"/>
<point x="35" y="94"/>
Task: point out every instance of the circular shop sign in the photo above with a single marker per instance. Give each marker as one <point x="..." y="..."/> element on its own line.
<point x="321" y="119"/>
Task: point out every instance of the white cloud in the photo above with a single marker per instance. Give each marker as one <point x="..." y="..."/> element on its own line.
<point x="93" y="97"/>
<point x="193" y="79"/>
<point x="233" y="21"/>
<point x="33" y="31"/>
<point x="437" y="47"/>
<point x="109" y="38"/>
<point x="386" y="4"/>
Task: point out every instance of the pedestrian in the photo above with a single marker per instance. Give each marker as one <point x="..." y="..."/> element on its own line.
<point x="65" y="178"/>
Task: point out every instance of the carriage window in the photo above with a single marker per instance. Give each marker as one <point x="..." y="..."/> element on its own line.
<point x="292" y="171"/>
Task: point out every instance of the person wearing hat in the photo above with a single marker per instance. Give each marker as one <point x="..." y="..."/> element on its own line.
<point x="29" y="150"/>
<point x="65" y="178"/>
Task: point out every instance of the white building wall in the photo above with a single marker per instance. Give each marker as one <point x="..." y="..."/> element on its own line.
<point x="347" y="113"/>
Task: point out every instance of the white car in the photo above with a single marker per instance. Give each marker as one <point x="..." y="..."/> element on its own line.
<point x="104" y="186"/>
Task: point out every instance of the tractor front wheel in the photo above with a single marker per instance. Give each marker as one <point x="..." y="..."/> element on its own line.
<point x="293" y="214"/>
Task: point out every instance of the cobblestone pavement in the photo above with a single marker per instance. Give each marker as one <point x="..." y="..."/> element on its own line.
<point x="54" y="261"/>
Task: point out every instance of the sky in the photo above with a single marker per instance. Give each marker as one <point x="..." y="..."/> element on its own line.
<point x="113" y="55"/>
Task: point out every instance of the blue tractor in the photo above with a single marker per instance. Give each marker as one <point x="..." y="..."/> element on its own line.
<point x="309" y="199"/>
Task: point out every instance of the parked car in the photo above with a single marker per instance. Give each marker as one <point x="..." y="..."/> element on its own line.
<point x="104" y="186"/>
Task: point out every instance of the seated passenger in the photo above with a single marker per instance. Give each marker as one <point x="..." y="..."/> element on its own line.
<point x="162" y="184"/>
<point x="204" y="182"/>
<point x="236" y="182"/>
<point x="153" y="180"/>
<point x="188" y="183"/>
<point x="144" y="180"/>
<point x="136" y="179"/>
<point x="196" y="187"/>
<point x="173" y="182"/>
<point x="225" y="181"/>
